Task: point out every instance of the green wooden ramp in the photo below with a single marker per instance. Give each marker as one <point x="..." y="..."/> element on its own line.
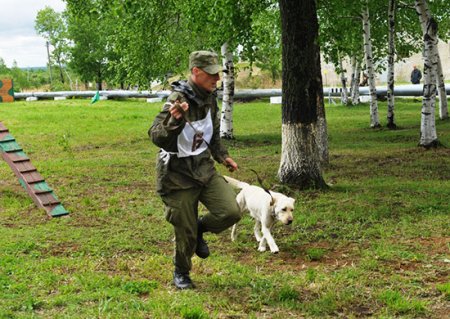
<point x="30" y="179"/>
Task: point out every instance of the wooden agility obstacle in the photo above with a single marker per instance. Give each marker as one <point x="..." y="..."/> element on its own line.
<point x="30" y="179"/>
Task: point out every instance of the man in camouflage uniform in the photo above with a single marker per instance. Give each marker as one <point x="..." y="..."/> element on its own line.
<point x="187" y="131"/>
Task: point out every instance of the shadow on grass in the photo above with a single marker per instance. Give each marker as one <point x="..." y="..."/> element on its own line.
<point x="255" y="140"/>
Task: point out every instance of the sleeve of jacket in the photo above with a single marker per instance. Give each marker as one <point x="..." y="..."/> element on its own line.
<point x="218" y="150"/>
<point x="165" y="128"/>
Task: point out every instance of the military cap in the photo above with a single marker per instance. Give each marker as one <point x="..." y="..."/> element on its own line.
<point x="206" y="60"/>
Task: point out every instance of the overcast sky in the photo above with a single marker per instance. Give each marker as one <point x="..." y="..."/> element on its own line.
<point x="18" y="38"/>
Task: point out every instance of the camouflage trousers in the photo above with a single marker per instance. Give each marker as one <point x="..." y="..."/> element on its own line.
<point x="182" y="212"/>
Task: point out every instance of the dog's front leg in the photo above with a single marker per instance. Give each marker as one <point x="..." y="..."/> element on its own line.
<point x="268" y="237"/>
<point x="262" y="240"/>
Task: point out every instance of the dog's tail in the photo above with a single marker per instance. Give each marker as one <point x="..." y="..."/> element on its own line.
<point x="235" y="182"/>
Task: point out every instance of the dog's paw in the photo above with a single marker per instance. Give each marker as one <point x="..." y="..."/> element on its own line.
<point x="261" y="249"/>
<point x="274" y="249"/>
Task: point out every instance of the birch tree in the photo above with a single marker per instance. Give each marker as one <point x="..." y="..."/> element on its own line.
<point x="356" y="71"/>
<point x="302" y="95"/>
<point x="443" y="104"/>
<point x="344" y="94"/>
<point x="428" y="135"/>
<point x="226" y="122"/>
<point x="374" y="120"/>
<point x="440" y="9"/>
<point x="391" y="60"/>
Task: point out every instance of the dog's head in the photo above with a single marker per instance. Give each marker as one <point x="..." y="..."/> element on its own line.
<point x="283" y="208"/>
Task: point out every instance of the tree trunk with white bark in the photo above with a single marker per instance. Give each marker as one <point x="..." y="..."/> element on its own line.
<point x="226" y="121"/>
<point x="322" y="132"/>
<point x="428" y="135"/>
<point x="355" y="86"/>
<point x="443" y="105"/>
<point x="374" y="120"/>
<point x="302" y="96"/>
<point x="391" y="58"/>
<point x="353" y="75"/>
<point x="344" y="94"/>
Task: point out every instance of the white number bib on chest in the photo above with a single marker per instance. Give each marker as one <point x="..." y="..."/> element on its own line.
<point x="186" y="140"/>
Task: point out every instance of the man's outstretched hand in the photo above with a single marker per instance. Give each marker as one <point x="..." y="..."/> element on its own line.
<point x="230" y="164"/>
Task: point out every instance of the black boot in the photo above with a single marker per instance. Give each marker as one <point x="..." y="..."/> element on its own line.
<point x="202" y="249"/>
<point x="182" y="280"/>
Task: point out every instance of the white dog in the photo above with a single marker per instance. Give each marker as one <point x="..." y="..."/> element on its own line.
<point x="265" y="208"/>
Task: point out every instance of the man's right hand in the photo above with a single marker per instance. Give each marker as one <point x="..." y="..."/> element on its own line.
<point x="177" y="109"/>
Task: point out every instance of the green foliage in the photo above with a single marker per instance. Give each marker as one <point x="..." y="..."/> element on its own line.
<point x="32" y="78"/>
<point x="88" y="31"/>
<point x="267" y="32"/>
<point x="154" y="39"/>
<point x="52" y="26"/>
<point x="341" y="31"/>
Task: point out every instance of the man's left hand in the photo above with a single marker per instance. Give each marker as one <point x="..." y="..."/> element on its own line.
<point x="230" y="164"/>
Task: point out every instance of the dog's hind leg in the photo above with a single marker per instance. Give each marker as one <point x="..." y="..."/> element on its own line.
<point x="262" y="244"/>
<point x="233" y="233"/>
<point x="257" y="231"/>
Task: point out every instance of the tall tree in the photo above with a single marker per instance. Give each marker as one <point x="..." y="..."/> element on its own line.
<point x="442" y="16"/>
<point x="226" y="121"/>
<point x="368" y="54"/>
<point x="356" y="71"/>
<point x="150" y="43"/>
<point x="428" y="135"/>
<point x="52" y="26"/>
<point x="88" y="34"/>
<point x="302" y="95"/>
<point x="416" y="31"/>
<point x="391" y="59"/>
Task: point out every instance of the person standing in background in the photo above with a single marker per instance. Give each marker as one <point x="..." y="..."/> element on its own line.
<point x="416" y="75"/>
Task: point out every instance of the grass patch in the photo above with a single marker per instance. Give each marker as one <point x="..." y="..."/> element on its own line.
<point x="383" y="223"/>
<point x="397" y="303"/>
<point x="445" y="290"/>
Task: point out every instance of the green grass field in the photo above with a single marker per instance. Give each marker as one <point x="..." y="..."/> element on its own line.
<point x="376" y="244"/>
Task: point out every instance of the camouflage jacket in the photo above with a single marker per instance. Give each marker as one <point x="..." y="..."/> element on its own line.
<point x="173" y="172"/>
